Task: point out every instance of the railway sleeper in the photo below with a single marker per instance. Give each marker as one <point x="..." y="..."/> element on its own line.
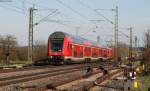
<point x="54" y="83"/>
<point x="86" y="85"/>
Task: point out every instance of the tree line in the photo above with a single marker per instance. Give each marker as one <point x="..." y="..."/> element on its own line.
<point x="11" y="51"/>
<point x="147" y="47"/>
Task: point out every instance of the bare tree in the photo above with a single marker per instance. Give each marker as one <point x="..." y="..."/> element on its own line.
<point x="22" y="53"/>
<point x="147" y="47"/>
<point x="123" y="49"/>
<point x="8" y="44"/>
<point x="147" y="39"/>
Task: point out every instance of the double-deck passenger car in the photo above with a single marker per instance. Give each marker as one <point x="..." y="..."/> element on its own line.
<point x="67" y="48"/>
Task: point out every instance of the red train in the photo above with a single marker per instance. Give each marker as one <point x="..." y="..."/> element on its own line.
<point x="66" y="48"/>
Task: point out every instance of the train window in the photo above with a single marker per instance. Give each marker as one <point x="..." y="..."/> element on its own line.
<point x="81" y="54"/>
<point x="75" y="53"/>
<point x="56" y="45"/>
<point x="100" y="51"/>
<point x="88" y="49"/>
<point x="94" y="54"/>
<point x="85" y="49"/>
<point x="108" y="51"/>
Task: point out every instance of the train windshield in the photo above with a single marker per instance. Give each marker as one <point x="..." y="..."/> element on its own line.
<point x="56" y="45"/>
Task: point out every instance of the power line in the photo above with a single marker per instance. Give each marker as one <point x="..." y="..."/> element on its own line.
<point x="43" y="9"/>
<point x="67" y="6"/>
<point x="11" y="9"/>
<point x="14" y="6"/>
<point x="35" y="14"/>
<point x="45" y="17"/>
<point x="37" y="5"/>
<point x="96" y="12"/>
<point x="124" y="34"/>
<point x="58" y="21"/>
<point x="86" y="32"/>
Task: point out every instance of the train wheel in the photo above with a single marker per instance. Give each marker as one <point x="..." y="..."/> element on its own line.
<point x="89" y="60"/>
<point x="86" y="60"/>
<point x="100" y="59"/>
<point x="68" y="61"/>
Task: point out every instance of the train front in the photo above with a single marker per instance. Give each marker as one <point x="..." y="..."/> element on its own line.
<point x="55" y="48"/>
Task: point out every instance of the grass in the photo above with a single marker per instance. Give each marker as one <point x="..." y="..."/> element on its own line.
<point x="17" y="64"/>
<point x="145" y="82"/>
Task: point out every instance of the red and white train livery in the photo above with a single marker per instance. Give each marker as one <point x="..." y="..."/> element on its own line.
<point x="66" y="48"/>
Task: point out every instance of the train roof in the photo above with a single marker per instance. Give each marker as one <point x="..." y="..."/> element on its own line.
<point x="75" y="39"/>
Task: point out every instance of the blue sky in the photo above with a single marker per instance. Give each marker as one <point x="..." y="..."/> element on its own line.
<point x="73" y="15"/>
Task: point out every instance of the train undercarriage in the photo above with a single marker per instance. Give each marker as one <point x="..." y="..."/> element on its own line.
<point x="63" y="60"/>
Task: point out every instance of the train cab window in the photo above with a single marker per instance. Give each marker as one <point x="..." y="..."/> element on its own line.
<point x="56" y="44"/>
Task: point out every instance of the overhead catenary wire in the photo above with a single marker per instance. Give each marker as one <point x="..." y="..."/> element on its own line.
<point x="96" y="12"/>
<point x="51" y="13"/>
<point x="14" y="6"/>
<point x="24" y="8"/>
<point x="124" y="34"/>
<point x="37" y="5"/>
<point x="59" y="22"/>
<point x="81" y="15"/>
<point x="21" y="10"/>
<point x="67" y="6"/>
<point x="48" y="20"/>
<point x="12" y="9"/>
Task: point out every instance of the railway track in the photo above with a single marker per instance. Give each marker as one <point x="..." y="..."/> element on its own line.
<point x="83" y="86"/>
<point x="48" y="72"/>
<point x="5" y="70"/>
<point x="88" y="85"/>
<point x="15" y="80"/>
<point x="4" y="81"/>
<point x="35" y="70"/>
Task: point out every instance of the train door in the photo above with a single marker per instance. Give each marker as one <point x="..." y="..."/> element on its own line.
<point x="69" y="50"/>
<point x="74" y="50"/>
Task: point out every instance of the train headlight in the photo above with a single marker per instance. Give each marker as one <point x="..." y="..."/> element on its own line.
<point x="51" y="56"/>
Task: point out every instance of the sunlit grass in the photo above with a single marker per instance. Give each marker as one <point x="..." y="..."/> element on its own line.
<point x="17" y="64"/>
<point x="145" y="82"/>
